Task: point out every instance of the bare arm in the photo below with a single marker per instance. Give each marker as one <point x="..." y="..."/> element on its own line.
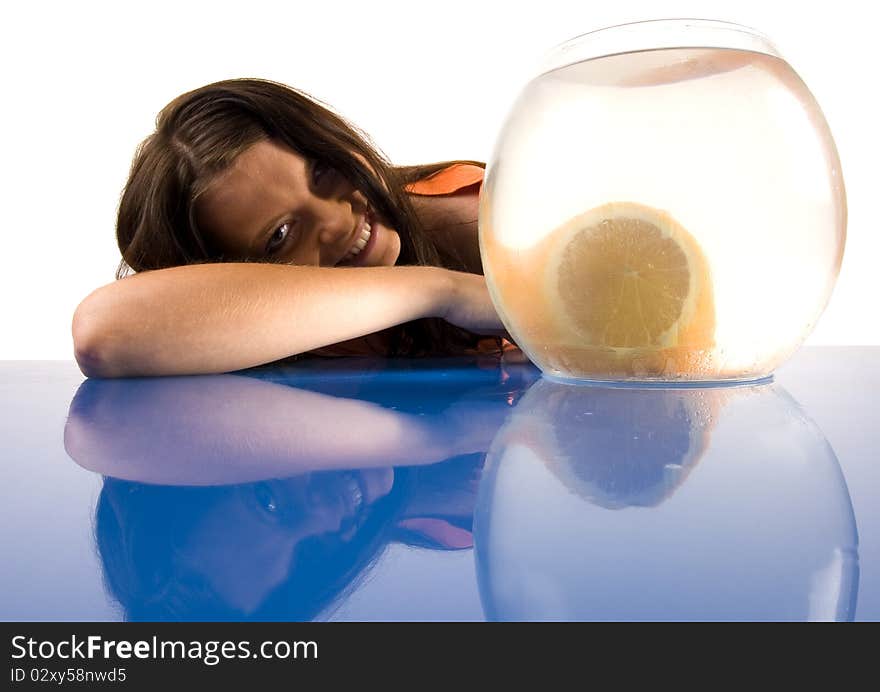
<point x="221" y="317"/>
<point x="222" y="429"/>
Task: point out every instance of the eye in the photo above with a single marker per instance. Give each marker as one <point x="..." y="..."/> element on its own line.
<point x="276" y="240"/>
<point x="266" y="498"/>
<point x="267" y="503"/>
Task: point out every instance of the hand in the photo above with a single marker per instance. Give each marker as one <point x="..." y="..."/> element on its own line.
<point x="469" y="305"/>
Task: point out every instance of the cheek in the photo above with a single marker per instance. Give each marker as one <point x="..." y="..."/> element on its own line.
<point x="391" y="252"/>
<point x="377" y="483"/>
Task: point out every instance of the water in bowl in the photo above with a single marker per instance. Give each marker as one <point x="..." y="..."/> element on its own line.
<point x="671" y="214"/>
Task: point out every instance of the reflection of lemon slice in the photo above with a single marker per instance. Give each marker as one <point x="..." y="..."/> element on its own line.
<point x="657" y="68"/>
<point x="653" y="68"/>
<point x="626" y="276"/>
<point x="617" y="447"/>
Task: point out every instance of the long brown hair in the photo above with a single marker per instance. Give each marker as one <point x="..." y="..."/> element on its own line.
<point x="200" y="133"/>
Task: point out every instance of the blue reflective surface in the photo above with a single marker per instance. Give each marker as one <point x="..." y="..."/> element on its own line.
<point x="447" y="489"/>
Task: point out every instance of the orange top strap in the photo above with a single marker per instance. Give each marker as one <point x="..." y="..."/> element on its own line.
<point x="447" y="180"/>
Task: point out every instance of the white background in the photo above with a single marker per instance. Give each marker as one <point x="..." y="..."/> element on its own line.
<point x="82" y="83"/>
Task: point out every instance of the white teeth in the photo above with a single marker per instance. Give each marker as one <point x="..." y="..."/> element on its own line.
<point x="360" y="243"/>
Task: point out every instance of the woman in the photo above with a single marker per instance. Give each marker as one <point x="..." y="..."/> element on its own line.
<point x="244" y="218"/>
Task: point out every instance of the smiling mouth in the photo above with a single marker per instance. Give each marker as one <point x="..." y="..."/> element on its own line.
<point x="358" y="250"/>
<point x="343" y="491"/>
<point x="353" y="493"/>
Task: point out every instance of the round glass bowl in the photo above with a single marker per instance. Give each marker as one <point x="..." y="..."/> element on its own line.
<point x="664" y="202"/>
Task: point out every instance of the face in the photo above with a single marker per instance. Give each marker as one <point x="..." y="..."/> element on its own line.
<point x="245" y="544"/>
<point x="273" y="204"/>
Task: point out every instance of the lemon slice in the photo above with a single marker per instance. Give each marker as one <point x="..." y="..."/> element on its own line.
<point x="626" y="276"/>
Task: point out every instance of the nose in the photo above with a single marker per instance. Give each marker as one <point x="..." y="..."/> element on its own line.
<point x="335" y="228"/>
<point x="334" y="224"/>
<point x="330" y="220"/>
<point x="333" y="232"/>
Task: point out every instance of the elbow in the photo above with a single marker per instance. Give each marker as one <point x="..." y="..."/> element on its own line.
<point x="91" y="342"/>
<point x="89" y="360"/>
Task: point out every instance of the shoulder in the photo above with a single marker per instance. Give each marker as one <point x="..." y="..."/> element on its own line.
<point x="447" y="201"/>
<point x="450" y="180"/>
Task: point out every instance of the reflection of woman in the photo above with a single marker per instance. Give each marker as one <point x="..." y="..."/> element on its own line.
<point x="233" y="497"/>
<point x="230" y="429"/>
<point x="244" y="175"/>
<point x="274" y="550"/>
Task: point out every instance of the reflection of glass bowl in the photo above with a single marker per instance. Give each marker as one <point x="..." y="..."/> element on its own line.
<point x="675" y="503"/>
<point x="664" y="202"/>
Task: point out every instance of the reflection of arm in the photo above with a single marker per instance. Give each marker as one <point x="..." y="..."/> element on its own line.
<point x="221" y="317"/>
<point x="229" y="428"/>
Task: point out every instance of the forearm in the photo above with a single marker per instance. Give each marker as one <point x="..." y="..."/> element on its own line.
<point x="172" y="431"/>
<point x="221" y="317"/>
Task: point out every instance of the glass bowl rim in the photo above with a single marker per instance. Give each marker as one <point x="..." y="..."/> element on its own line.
<point x="654" y="34"/>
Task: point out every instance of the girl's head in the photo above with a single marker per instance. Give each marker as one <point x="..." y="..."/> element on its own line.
<point x="282" y="549"/>
<point x="252" y="170"/>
